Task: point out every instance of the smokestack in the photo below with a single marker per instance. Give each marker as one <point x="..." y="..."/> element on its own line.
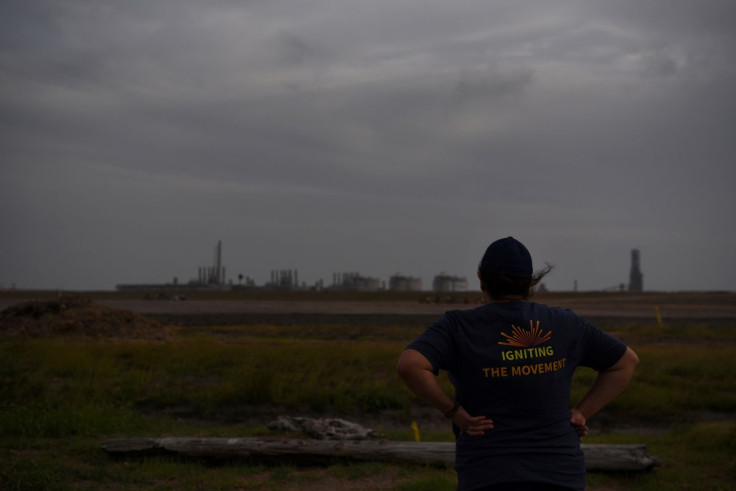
<point x="636" y="279"/>
<point x="218" y="262"/>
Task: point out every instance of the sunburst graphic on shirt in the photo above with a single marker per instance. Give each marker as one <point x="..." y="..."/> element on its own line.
<point x="521" y="338"/>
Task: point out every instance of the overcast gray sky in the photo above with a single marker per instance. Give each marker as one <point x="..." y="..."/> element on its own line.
<point x="370" y="136"/>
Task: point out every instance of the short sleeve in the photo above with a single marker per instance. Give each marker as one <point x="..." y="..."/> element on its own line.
<point x="436" y="344"/>
<point x="600" y="349"/>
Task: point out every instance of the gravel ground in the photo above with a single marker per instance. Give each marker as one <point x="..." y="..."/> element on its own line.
<point x="589" y="307"/>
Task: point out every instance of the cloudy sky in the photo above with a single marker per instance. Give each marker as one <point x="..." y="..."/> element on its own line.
<point x="376" y="136"/>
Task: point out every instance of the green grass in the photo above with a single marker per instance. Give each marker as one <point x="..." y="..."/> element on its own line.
<point x="202" y="375"/>
<point x="694" y="456"/>
<point x="60" y="397"/>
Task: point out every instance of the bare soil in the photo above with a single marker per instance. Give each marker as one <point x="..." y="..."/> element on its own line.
<point x="671" y="305"/>
<point x="614" y="308"/>
<point x="117" y="316"/>
<point x="75" y="315"/>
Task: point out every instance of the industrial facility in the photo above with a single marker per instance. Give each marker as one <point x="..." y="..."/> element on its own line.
<point x="400" y="283"/>
<point x="446" y="283"/>
<point x="213" y="277"/>
<point x="356" y="282"/>
<point x="636" y="278"/>
<point x="284" y="279"/>
<point x="208" y="278"/>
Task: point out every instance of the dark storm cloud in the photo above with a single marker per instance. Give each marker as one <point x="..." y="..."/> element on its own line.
<point x="370" y="136"/>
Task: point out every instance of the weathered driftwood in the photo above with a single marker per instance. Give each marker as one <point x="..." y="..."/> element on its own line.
<point x="598" y="457"/>
<point x="323" y="428"/>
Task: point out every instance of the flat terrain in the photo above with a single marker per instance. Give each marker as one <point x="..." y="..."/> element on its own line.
<point x="696" y="305"/>
<point x="260" y="305"/>
<point x="240" y="358"/>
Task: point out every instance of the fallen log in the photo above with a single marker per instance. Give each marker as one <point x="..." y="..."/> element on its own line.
<point x="322" y="428"/>
<point x="442" y="454"/>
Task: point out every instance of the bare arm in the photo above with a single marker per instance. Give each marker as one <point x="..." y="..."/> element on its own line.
<point x="606" y="387"/>
<point x="416" y="372"/>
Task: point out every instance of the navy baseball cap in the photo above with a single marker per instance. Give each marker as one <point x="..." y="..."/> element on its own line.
<point x="507" y="257"/>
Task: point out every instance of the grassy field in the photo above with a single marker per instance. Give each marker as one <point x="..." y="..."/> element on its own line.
<point x="59" y="397"/>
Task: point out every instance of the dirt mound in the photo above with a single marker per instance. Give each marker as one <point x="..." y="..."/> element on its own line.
<point x="73" y="315"/>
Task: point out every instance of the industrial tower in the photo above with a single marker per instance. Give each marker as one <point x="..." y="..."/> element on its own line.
<point x="213" y="275"/>
<point x="636" y="279"/>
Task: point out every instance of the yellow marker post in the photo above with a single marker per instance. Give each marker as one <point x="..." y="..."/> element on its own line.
<point x="659" y="317"/>
<point x="415" y="427"/>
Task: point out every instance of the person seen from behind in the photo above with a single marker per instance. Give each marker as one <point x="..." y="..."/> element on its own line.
<point x="511" y="362"/>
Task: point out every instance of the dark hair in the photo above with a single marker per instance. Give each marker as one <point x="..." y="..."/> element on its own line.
<point x="500" y="285"/>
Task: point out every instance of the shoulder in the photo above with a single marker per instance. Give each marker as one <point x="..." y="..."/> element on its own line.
<point x="558" y="316"/>
<point x="559" y="313"/>
<point x="467" y="315"/>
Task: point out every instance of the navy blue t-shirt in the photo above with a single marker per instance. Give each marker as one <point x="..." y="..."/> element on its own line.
<point x="513" y="362"/>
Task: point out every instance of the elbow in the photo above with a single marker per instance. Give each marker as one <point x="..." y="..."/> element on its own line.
<point x="403" y="367"/>
<point x="406" y="372"/>
<point x="632" y="358"/>
<point x="410" y="362"/>
<point x="629" y="362"/>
